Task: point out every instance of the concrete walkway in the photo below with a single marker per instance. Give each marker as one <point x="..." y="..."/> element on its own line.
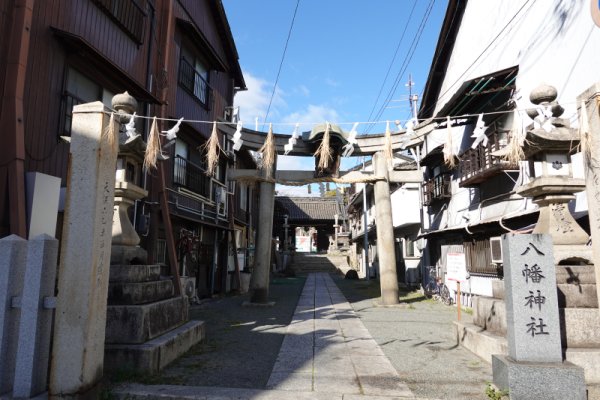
<point x="327" y="353"/>
<point x="328" y="349"/>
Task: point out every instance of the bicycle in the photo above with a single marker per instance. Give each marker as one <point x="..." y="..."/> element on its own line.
<point x="437" y="289"/>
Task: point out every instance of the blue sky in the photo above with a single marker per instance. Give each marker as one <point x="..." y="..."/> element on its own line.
<point x="337" y="58"/>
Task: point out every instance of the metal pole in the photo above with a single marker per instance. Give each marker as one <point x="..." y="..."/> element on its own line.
<point x="365" y="230"/>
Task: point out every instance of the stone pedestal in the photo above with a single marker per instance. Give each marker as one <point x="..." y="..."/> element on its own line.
<point x="534" y="365"/>
<point x="125" y="240"/>
<point x="146" y="327"/>
<point x="531" y="380"/>
<point x="552" y="195"/>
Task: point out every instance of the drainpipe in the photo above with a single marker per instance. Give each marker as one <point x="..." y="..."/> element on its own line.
<point x="365" y="230"/>
<point x="12" y="118"/>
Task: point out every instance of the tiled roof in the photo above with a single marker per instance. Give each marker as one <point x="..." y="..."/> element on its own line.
<point x="308" y="208"/>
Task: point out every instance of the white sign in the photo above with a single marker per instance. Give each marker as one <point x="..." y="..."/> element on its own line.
<point x="456" y="267"/>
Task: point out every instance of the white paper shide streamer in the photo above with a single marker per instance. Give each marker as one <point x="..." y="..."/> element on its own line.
<point x="479" y="133"/>
<point x="349" y="147"/>
<point x="237" y="137"/>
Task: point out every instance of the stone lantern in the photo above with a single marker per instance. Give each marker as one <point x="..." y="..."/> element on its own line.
<point x="125" y="240"/>
<point x="548" y="146"/>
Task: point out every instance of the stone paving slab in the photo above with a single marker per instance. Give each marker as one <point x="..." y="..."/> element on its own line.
<point x="344" y="357"/>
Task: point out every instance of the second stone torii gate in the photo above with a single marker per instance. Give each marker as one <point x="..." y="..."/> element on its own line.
<point x="372" y="145"/>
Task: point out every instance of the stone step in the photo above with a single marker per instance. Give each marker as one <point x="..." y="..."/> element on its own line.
<point x="485" y="344"/>
<point x="154" y="355"/>
<point x="575" y="274"/>
<point x="580" y="324"/>
<point x="134" y="273"/>
<point x="130" y="293"/>
<point x="577" y="296"/>
<point x="134" y="324"/>
<point x="490" y="314"/>
<point x="582" y="327"/>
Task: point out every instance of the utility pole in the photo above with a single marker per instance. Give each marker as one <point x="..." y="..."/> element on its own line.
<point x="412" y="98"/>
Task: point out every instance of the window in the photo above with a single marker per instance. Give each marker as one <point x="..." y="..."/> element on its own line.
<point x="243" y="191"/>
<point x="193" y="75"/>
<point x="128" y="14"/>
<point x="80" y="89"/>
<point x="409" y="248"/>
<point x="180" y="165"/>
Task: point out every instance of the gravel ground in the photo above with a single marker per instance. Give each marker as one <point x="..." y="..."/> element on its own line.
<point x="242" y="343"/>
<point x="418" y="340"/>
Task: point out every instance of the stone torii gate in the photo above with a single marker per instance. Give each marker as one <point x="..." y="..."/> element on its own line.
<point x="371" y="145"/>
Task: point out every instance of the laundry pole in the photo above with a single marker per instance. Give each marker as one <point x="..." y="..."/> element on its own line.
<point x="388" y="278"/>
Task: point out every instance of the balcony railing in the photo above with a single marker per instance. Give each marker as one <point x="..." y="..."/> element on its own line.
<point x="437" y="188"/>
<point x="128" y="14"/>
<point x="478" y="164"/>
<point x="194" y="83"/>
<point x="191" y="176"/>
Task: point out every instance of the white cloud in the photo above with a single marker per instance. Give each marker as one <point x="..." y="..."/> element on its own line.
<point x="303" y="90"/>
<point x="332" y="82"/>
<point x="255" y="101"/>
<point x="313" y="114"/>
<point x="295" y="163"/>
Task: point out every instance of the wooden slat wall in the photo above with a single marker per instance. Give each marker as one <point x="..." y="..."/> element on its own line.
<point x="5" y="18"/>
<point x="47" y="66"/>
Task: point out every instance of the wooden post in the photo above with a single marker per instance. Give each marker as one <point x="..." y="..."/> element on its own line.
<point x="458" y="305"/>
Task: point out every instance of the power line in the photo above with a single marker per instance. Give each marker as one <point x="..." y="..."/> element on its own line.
<point x="393" y="59"/>
<point x="479" y="56"/>
<point x="406" y="62"/>
<point x="281" y="63"/>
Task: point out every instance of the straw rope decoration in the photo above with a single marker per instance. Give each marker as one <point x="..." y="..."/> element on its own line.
<point x="212" y="148"/>
<point x="449" y="159"/>
<point x="153" y="147"/>
<point x="268" y="153"/>
<point x="110" y="134"/>
<point x="253" y="179"/>
<point x="514" y="148"/>
<point x="323" y="152"/>
<point x="388" y="152"/>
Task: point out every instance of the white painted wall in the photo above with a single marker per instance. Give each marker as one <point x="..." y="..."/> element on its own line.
<point x="406" y="206"/>
<point x="552" y="41"/>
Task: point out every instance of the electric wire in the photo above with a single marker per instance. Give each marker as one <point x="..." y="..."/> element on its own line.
<point x="393" y="59"/>
<point x="405" y="63"/>
<point x="281" y="63"/>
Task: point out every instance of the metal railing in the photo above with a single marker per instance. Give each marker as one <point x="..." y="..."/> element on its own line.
<point x="191" y="176"/>
<point x="194" y="83"/>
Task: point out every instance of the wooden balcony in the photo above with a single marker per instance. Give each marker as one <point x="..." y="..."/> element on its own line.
<point x="478" y="165"/>
<point x="436" y="189"/>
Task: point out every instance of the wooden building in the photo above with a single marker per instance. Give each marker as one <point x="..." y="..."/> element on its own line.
<point x="176" y="57"/>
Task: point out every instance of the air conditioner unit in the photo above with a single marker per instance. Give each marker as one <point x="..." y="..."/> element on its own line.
<point x="496" y="249"/>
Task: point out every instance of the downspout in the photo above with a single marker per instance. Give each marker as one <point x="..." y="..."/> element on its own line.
<point x="12" y="116"/>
